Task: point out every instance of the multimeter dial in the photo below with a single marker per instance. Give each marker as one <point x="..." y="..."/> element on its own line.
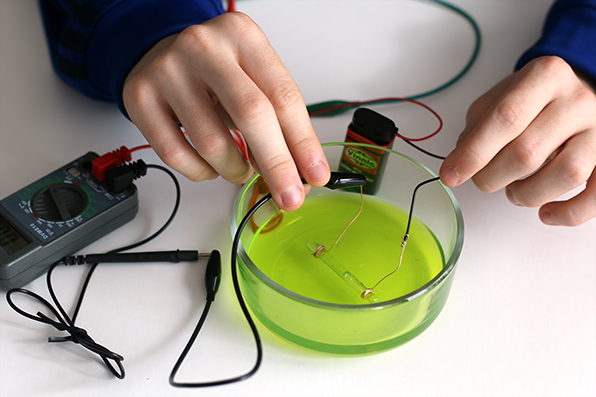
<point x="59" y="202"/>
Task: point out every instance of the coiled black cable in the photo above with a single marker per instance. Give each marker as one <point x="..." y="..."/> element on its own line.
<point x="63" y="321"/>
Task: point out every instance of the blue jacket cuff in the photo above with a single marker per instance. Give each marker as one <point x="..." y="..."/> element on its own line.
<point x="127" y="30"/>
<point x="570" y="33"/>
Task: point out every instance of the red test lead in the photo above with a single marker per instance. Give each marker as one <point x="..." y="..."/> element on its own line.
<point x="110" y="160"/>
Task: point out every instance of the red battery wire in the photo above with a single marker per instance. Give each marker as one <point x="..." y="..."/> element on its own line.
<point x="390" y="99"/>
<point x="236" y="135"/>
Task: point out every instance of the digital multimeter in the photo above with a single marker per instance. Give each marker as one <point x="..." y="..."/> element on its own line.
<point x="55" y="217"/>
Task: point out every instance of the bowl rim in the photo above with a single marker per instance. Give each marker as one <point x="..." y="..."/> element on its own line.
<point x="426" y="288"/>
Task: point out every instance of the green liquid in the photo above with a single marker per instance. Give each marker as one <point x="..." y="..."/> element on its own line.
<point x="369" y="249"/>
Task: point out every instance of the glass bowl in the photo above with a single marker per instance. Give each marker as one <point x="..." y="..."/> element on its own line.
<point x="316" y="302"/>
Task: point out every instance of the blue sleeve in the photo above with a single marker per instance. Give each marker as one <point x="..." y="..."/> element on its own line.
<point x="95" y="43"/>
<point x="570" y="33"/>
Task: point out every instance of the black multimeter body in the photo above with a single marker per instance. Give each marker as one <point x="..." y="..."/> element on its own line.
<point x="57" y="216"/>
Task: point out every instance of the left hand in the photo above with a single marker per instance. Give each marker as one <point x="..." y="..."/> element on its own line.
<point x="535" y="134"/>
<point x="219" y="75"/>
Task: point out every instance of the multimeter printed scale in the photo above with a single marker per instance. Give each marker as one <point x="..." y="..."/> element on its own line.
<point x="55" y="217"/>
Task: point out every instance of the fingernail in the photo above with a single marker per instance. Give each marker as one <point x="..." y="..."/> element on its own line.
<point x="318" y="171"/>
<point x="450" y="176"/>
<point x="511" y="197"/>
<point x="291" y="197"/>
<point x="547" y="218"/>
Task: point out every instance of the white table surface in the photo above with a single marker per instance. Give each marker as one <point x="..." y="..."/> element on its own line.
<point x="521" y="316"/>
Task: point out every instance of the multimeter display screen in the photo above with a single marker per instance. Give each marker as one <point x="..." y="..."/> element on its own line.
<point x="10" y="240"/>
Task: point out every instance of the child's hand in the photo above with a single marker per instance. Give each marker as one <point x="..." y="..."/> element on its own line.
<point x="538" y="124"/>
<point x="219" y="75"/>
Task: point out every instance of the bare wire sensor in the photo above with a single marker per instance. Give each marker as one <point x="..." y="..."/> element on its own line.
<point x="321" y="250"/>
<point x="370" y="291"/>
<point x="367" y="293"/>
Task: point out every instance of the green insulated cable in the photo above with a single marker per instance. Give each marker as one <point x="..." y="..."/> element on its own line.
<point x="335" y="106"/>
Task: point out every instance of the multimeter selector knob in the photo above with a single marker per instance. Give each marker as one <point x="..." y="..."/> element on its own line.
<point x="59" y="202"/>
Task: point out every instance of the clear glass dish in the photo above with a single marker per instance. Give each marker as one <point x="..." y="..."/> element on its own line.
<point x="307" y="301"/>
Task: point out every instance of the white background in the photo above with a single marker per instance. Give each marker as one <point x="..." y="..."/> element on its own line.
<point x="521" y="317"/>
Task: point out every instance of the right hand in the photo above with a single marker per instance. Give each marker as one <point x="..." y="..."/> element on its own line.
<point x="534" y="134"/>
<point x="220" y="75"/>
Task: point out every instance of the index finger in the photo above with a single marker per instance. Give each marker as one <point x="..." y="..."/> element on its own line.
<point x="505" y="120"/>
<point x="290" y="110"/>
<point x="292" y="116"/>
<point x="265" y="104"/>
